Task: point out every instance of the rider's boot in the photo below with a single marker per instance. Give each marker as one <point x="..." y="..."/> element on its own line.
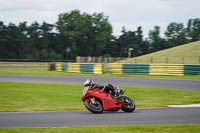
<point x="118" y="92"/>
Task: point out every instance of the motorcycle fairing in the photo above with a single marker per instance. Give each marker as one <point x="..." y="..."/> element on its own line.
<point x="107" y="101"/>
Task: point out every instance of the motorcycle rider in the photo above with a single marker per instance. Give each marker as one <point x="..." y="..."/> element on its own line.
<point x="107" y="88"/>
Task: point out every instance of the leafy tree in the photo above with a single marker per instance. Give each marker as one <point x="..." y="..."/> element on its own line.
<point x="155" y="40"/>
<point x="23" y="33"/>
<point x="46" y="34"/>
<point x="123" y="42"/>
<point x="140" y="46"/>
<point x="70" y="27"/>
<point x="33" y="40"/>
<point x="175" y="34"/>
<point x="111" y="48"/>
<point x="132" y="39"/>
<point x="83" y="31"/>
<point x="14" y="45"/>
<point x="100" y="32"/>
<point x="193" y="30"/>
<point x="82" y="34"/>
<point x="3" y="40"/>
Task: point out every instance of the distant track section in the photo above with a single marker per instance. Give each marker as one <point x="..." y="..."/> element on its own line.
<point x="119" y="81"/>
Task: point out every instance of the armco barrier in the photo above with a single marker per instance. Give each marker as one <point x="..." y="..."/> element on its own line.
<point x="115" y="68"/>
<point x="98" y="68"/>
<point x="76" y="67"/>
<point x="58" y="67"/>
<point x="168" y="69"/>
<point x="191" y="69"/>
<point x="64" y="67"/>
<point x="136" y="69"/>
<point x="73" y="67"/>
<point x="86" y="68"/>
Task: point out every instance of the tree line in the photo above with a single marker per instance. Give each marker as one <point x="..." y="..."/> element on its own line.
<point x="81" y="34"/>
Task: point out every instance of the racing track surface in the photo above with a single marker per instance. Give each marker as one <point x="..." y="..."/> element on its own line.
<point x="84" y="118"/>
<point x="120" y="81"/>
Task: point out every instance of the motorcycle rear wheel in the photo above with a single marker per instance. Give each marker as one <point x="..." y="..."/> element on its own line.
<point x="94" y="108"/>
<point x="128" y="105"/>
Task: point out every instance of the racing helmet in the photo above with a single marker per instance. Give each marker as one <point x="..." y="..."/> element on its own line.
<point x="88" y="82"/>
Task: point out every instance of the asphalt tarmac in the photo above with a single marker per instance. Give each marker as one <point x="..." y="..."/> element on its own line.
<point x="85" y="118"/>
<point x="117" y="81"/>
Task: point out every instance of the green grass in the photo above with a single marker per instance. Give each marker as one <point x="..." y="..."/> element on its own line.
<point x="183" y="54"/>
<point x="38" y="97"/>
<point x="189" y="128"/>
<point x="23" y="63"/>
<point x="38" y="71"/>
<point x="48" y="97"/>
<point x="44" y="71"/>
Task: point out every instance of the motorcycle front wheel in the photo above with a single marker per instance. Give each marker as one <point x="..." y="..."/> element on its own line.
<point x="128" y="105"/>
<point x="93" y="107"/>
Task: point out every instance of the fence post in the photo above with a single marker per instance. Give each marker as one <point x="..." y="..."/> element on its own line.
<point x="99" y="59"/>
<point x="105" y="59"/>
<point x="105" y="67"/>
<point x="93" y="59"/>
<point x="135" y="60"/>
<point x="151" y="60"/>
<point x="166" y="60"/>
<point x="110" y="59"/>
<point x="78" y="59"/>
<point x="183" y="60"/>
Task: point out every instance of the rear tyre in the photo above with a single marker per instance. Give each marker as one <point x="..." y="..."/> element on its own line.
<point x="94" y="108"/>
<point x="128" y="105"/>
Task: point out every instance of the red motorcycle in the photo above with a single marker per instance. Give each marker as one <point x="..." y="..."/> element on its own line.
<point x="97" y="101"/>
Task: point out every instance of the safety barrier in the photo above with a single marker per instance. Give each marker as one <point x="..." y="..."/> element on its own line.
<point x="115" y="68"/>
<point x="191" y="69"/>
<point x="98" y="68"/>
<point x="134" y="69"/>
<point x="58" y="67"/>
<point x="76" y="67"/>
<point x="73" y="67"/>
<point x="64" y="67"/>
<point x="86" y="68"/>
<point x="167" y="69"/>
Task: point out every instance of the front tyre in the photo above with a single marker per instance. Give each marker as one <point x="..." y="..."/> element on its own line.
<point x="128" y="105"/>
<point x="93" y="107"/>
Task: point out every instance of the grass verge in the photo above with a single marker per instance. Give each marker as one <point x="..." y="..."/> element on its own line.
<point x="176" y="55"/>
<point x="25" y="97"/>
<point x="43" y="71"/>
<point x="187" y="128"/>
<point x="23" y="63"/>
